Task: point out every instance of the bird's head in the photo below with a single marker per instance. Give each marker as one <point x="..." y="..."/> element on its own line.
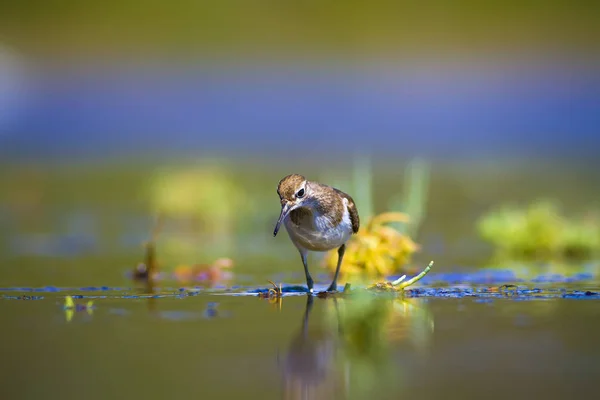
<point x="294" y="192"/>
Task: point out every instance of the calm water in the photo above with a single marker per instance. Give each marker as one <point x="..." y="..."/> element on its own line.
<point x="84" y="227"/>
<point x="222" y="346"/>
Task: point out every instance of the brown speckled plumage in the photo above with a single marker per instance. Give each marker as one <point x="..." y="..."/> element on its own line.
<point x="315" y="218"/>
<point x="299" y="214"/>
<point x="287" y="186"/>
<point x="354" y="218"/>
<point x="326" y="202"/>
<point x="334" y="205"/>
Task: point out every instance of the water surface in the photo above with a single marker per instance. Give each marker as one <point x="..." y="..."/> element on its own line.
<point x="189" y="343"/>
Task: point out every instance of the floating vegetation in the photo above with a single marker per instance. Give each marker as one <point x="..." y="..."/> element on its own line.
<point x="399" y="284"/>
<point x="70" y="307"/>
<point x="273" y="294"/>
<point x="518" y="293"/>
<point x="377" y="250"/>
<point x="24" y="297"/>
<point x="540" y="232"/>
<point x="275" y="291"/>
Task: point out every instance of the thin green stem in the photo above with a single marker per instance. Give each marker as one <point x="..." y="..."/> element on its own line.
<point x="414" y="279"/>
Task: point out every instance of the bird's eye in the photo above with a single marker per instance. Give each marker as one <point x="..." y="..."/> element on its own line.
<point x="300" y="193"/>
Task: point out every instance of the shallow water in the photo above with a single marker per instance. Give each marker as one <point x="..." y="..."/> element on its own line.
<point x="182" y="343"/>
<point x="458" y="334"/>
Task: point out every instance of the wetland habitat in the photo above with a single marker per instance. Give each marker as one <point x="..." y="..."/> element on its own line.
<point x="141" y="144"/>
<point x="474" y="326"/>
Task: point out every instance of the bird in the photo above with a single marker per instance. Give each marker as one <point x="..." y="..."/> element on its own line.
<point x="317" y="218"/>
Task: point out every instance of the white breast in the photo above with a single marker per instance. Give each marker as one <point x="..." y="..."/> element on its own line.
<point x="317" y="233"/>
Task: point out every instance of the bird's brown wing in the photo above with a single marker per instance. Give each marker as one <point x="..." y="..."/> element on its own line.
<point x="352" y="210"/>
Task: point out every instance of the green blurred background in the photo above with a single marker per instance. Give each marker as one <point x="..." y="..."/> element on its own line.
<point x="114" y="112"/>
<point x="239" y="29"/>
<point x="114" y="109"/>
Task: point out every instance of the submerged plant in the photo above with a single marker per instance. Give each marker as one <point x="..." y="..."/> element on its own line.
<point x="539" y="232"/>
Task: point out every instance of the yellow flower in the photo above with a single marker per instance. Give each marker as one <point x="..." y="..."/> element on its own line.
<point x="377" y="250"/>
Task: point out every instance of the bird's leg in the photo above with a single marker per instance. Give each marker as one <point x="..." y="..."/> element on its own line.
<point x="309" y="279"/>
<point x="333" y="286"/>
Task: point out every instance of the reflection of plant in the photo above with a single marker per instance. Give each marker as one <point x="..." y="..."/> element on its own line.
<point x="368" y="325"/>
<point x="389" y="319"/>
<point x="377" y="249"/>
<point x="539" y="232"/>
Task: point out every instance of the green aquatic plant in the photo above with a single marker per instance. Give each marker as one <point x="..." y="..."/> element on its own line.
<point x="400" y="284"/>
<point x="396" y="286"/>
<point x="377" y="250"/>
<point x="581" y="238"/>
<point x="204" y="193"/>
<point x="148" y="270"/>
<point x="413" y="201"/>
<point x="539" y="232"/>
<point x="201" y="207"/>
<point x="362" y="185"/>
<point x="383" y="245"/>
<point x="70" y="307"/>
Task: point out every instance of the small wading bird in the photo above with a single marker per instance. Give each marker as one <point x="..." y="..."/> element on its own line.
<point x="317" y="218"/>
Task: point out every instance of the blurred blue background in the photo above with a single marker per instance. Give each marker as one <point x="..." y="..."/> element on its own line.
<point x="465" y="79"/>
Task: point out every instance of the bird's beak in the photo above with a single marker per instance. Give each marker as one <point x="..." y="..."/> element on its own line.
<point x="285" y="210"/>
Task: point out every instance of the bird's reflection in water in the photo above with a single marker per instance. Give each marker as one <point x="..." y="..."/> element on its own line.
<point x="309" y="367"/>
<point x="350" y="352"/>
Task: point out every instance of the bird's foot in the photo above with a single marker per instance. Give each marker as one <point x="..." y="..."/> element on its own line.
<point x="309" y="285"/>
<point x="332" y="289"/>
<point x="330" y="292"/>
